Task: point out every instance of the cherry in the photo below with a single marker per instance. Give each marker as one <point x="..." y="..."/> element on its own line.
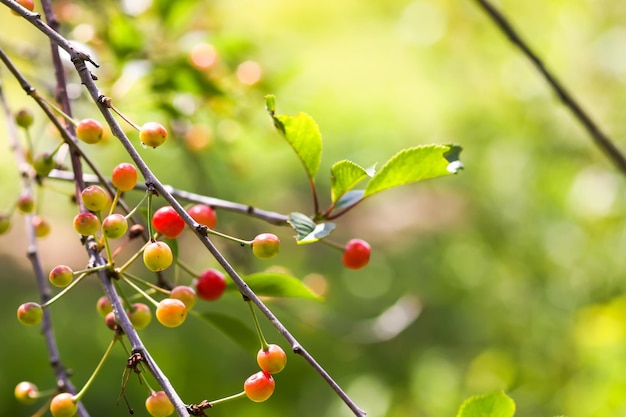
<point x="63" y="405"/>
<point x="159" y="405"/>
<point x="185" y="294"/>
<point x="203" y="214"/>
<point x="211" y="285"/>
<point x="140" y="315"/>
<point x="5" y="224"/>
<point x="167" y="222"/>
<point x="41" y="226"/>
<point x="61" y="276"/>
<point x="24" y="117"/>
<point x="43" y="164"/>
<point x="114" y="226"/>
<point x="259" y="387"/>
<point x="110" y="321"/>
<point x="28" y="4"/>
<point x="30" y="314"/>
<point x="26" y="204"/>
<point x="124" y="176"/>
<point x="26" y="392"/>
<point x="89" y="131"/>
<point x="265" y="246"/>
<point x="94" y="198"/>
<point x="157" y="256"/>
<point x="103" y="305"/>
<point x="152" y="134"/>
<point x="272" y="360"/>
<point x="356" y="254"/>
<point x="86" y="223"/>
<point x="171" y="312"/>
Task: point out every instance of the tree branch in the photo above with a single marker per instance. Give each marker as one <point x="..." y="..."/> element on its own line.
<point x="598" y="136"/>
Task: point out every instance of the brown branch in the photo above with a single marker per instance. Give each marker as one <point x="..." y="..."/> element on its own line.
<point x="598" y="136"/>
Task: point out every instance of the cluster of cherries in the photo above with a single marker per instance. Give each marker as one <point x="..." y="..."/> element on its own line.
<point x="100" y="222"/>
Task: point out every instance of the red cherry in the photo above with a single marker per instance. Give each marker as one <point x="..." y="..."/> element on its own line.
<point x="86" y="223"/>
<point x="356" y="254"/>
<point x="203" y="214"/>
<point x="29" y="4"/>
<point x="159" y="405"/>
<point x="259" y="387"/>
<point x="167" y="222"/>
<point x="124" y="176"/>
<point x="211" y="285"/>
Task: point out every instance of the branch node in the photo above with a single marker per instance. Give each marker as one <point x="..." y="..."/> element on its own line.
<point x="198" y="409"/>
<point x="104" y="100"/>
<point x="297" y="349"/>
<point x="202" y="229"/>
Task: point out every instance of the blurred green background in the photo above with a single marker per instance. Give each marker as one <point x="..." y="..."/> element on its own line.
<point x="507" y="276"/>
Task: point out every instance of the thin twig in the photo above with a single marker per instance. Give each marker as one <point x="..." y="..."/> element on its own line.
<point x="271" y="217"/>
<point x="60" y="372"/>
<point x="599" y="137"/>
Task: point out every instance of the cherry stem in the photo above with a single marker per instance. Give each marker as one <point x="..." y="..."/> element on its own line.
<point x="150" y="216"/>
<point x="90" y="270"/>
<point x="242" y="394"/>
<point x="134" y="210"/>
<point x="126" y="119"/>
<point x="66" y="289"/>
<point x="106" y="243"/>
<point x="139" y="290"/>
<point x="264" y="344"/>
<point x="132" y="258"/>
<point x="56" y="109"/>
<point x="185" y="267"/>
<point x="225" y="236"/>
<point x="333" y="244"/>
<point x="82" y="392"/>
<point x="143" y="281"/>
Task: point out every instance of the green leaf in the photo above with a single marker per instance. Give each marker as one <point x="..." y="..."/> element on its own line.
<point x="344" y="175"/>
<point x="349" y="199"/>
<point x="303" y="135"/>
<point x="415" y="164"/>
<point x="320" y="232"/>
<point x="273" y="284"/>
<point x="234" y="329"/>
<point x="497" y="404"/>
<point x="307" y="230"/>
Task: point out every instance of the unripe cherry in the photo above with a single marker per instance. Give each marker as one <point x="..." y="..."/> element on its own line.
<point x="356" y="254"/>
<point x="168" y="222"/>
<point x="61" y="276"/>
<point x="24" y="117"/>
<point x="157" y="256"/>
<point x="26" y="204"/>
<point x="185" y="294"/>
<point x="159" y="405"/>
<point x="86" y="223"/>
<point x="94" y="198"/>
<point x="272" y="360"/>
<point x="43" y="164"/>
<point x="63" y="405"/>
<point x="259" y="387"/>
<point x="26" y="392"/>
<point x="265" y="246"/>
<point x="124" y="176"/>
<point x="171" y="312"/>
<point x="152" y="134"/>
<point x="41" y="226"/>
<point x="203" y="214"/>
<point x="211" y="285"/>
<point x="5" y="224"/>
<point x="30" y="313"/>
<point x="89" y="131"/>
<point x="103" y="305"/>
<point x="114" y="226"/>
<point x="140" y="315"/>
